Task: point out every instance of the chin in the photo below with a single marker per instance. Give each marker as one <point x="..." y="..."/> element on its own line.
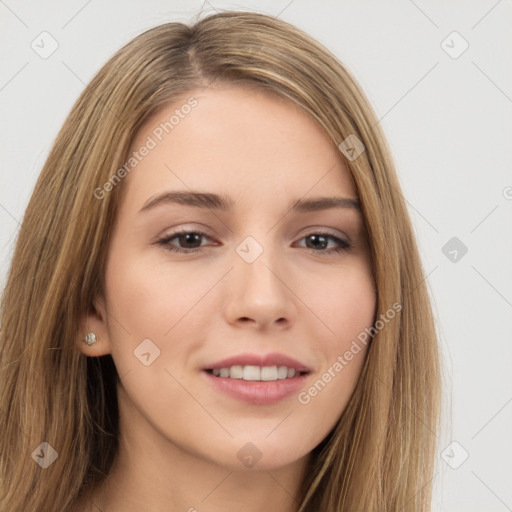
<point x="257" y="455"/>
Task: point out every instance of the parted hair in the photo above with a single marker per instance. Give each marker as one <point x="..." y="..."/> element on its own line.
<point x="379" y="456"/>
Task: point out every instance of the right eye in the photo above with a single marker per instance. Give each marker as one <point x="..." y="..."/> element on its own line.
<point x="190" y="241"/>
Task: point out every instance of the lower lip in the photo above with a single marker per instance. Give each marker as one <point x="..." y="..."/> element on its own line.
<point x="257" y="392"/>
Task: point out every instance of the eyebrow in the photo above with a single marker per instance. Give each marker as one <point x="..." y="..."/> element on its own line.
<point x="208" y="200"/>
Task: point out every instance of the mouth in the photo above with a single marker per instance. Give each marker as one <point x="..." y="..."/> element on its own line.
<point x="257" y="379"/>
<point x="256" y="373"/>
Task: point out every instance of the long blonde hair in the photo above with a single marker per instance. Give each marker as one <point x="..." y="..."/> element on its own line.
<point x="380" y="454"/>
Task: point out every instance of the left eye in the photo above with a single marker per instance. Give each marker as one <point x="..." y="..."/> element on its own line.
<point x="317" y="241"/>
<point x="190" y="241"/>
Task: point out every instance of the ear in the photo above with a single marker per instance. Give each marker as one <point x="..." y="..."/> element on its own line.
<point x="95" y="321"/>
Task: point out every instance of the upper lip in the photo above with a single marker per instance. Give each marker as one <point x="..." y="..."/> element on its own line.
<point x="272" y="359"/>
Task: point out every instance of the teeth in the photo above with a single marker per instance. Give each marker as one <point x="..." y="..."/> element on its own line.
<point x="260" y="373"/>
<point x="269" y="373"/>
<point x="282" y="372"/>
<point x="236" y="372"/>
<point x="251" y="373"/>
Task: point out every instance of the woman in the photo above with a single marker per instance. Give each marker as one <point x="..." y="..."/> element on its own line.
<point x="216" y="301"/>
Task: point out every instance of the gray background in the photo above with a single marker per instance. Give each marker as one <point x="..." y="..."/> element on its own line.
<point x="449" y="124"/>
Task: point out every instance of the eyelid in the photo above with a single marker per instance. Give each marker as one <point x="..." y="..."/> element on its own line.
<point x="343" y="242"/>
<point x="185" y="228"/>
<point x="310" y="230"/>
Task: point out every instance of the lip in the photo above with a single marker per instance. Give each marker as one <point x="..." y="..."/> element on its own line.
<point x="258" y="392"/>
<point x="271" y="359"/>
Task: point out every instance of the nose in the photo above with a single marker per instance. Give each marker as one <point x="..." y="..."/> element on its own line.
<point x="259" y="294"/>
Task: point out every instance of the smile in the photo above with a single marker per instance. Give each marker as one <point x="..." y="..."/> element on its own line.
<point x="255" y="373"/>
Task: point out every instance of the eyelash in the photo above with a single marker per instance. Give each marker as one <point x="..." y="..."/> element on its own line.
<point x="165" y="242"/>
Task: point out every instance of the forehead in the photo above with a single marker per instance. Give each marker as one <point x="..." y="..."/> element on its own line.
<point x="239" y="142"/>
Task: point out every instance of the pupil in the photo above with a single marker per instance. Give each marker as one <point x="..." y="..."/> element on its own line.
<point x="190" y="238"/>
<point x="318" y="241"/>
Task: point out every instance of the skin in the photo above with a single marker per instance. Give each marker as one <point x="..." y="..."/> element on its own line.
<point x="180" y="436"/>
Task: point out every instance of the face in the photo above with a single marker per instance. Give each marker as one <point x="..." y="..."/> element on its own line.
<point x="233" y="295"/>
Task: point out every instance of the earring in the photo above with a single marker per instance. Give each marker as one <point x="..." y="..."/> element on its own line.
<point x="90" y="338"/>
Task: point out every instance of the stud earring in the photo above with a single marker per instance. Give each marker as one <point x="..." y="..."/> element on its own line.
<point x="90" y="338"/>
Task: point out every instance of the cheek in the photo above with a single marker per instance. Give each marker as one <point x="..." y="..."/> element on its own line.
<point x="151" y="311"/>
<point x="170" y="305"/>
<point x="344" y="301"/>
<point x="346" y="307"/>
<point x="150" y="299"/>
